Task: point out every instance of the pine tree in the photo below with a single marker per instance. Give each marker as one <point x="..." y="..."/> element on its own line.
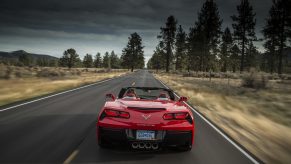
<point x="69" y="59"/>
<point x="53" y="63"/>
<point x="106" y="61"/>
<point x="208" y="29"/>
<point x="157" y="61"/>
<point x="276" y="32"/>
<point x="244" y="27"/>
<point x="195" y="49"/>
<point x="88" y="61"/>
<point x="167" y="35"/>
<point x="270" y="32"/>
<point x="114" y="60"/>
<point x="252" y="56"/>
<point x="225" y="49"/>
<point x="97" y="60"/>
<point x="234" y="57"/>
<point x="133" y="54"/>
<point x="180" y="46"/>
<point x="283" y="13"/>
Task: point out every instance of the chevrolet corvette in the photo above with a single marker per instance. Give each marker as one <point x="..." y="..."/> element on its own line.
<point x="145" y="118"/>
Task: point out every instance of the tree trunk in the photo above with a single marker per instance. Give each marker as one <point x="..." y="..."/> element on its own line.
<point x="281" y="47"/>
<point x="242" y="55"/>
<point x="177" y="65"/>
<point x="280" y="59"/>
<point x="132" y="69"/>
<point x="271" y="59"/>
<point x="272" y="64"/>
<point x="168" y="57"/>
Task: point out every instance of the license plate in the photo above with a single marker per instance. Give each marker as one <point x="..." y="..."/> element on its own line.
<point x="145" y="135"/>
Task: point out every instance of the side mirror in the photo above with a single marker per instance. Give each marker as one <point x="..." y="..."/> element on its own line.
<point x="111" y="96"/>
<point x="183" y="99"/>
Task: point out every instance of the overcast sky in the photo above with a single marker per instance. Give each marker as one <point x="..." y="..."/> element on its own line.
<point x="90" y="26"/>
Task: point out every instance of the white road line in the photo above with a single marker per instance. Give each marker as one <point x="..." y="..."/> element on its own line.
<point x="29" y="102"/>
<point x="133" y="83"/>
<point x="217" y="130"/>
<point x="71" y="157"/>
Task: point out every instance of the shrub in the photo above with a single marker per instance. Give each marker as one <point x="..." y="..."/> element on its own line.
<point x="101" y="71"/>
<point x="18" y="74"/>
<point x="188" y="74"/>
<point x="49" y="73"/>
<point x="8" y="73"/>
<point x="75" y="72"/>
<point x="254" y="80"/>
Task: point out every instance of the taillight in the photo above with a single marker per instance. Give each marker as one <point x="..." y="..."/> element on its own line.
<point x="181" y="116"/>
<point x="168" y="116"/>
<point x="111" y="113"/>
<point x="176" y="116"/>
<point x="124" y="114"/>
<point x="116" y="113"/>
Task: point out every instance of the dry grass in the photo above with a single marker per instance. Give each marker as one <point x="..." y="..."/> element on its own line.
<point x="23" y="83"/>
<point x="258" y="119"/>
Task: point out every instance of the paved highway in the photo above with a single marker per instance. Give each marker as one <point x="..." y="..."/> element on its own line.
<point x="61" y="129"/>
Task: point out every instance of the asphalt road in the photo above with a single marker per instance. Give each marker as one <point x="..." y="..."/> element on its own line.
<point x="62" y="128"/>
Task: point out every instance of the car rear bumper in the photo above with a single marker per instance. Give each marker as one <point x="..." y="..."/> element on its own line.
<point x="121" y="136"/>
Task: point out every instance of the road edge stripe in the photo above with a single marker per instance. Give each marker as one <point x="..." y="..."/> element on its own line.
<point x="71" y="157"/>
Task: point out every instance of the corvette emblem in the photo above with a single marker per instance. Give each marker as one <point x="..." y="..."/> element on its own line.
<point x="146" y="116"/>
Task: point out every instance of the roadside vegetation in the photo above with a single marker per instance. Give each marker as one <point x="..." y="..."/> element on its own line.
<point x="21" y="83"/>
<point x="253" y="108"/>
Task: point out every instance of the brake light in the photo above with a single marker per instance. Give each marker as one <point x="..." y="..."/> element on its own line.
<point x="111" y="113"/>
<point x="116" y="113"/>
<point x="181" y="116"/>
<point x="124" y="114"/>
<point x="168" y="116"/>
<point x="176" y="116"/>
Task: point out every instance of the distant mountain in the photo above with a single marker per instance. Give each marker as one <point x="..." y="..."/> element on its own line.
<point x="16" y="54"/>
<point x="27" y="59"/>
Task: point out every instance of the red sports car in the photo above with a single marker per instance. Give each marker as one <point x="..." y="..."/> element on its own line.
<point x="146" y="118"/>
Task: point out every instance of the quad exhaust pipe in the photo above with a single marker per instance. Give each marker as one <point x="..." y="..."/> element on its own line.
<point x="145" y="145"/>
<point x="155" y="146"/>
<point x="134" y="145"/>
<point x="141" y="145"/>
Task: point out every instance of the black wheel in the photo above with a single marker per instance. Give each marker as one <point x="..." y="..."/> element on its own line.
<point x="103" y="143"/>
<point x="187" y="147"/>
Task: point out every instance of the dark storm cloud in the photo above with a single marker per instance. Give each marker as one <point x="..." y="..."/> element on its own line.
<point x="88" y="16"/>
<point x="100" y="23"/>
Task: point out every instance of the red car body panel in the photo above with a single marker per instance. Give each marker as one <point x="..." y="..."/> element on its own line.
<point x="149" y="119"/>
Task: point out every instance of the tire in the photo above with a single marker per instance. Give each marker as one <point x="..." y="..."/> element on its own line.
<point x="102" y="143"/>
<point x="187" y="147"/>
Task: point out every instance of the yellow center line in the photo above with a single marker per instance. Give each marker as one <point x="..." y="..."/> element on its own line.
<point x="71" y="157"/>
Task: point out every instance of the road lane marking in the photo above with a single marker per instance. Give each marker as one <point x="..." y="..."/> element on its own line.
<point x="216" y="129"/>
<point x="71" y="157"/>
<point x="29" y="102"/>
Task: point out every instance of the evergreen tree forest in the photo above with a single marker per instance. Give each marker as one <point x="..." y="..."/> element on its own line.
<point x="208" y="47"/>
